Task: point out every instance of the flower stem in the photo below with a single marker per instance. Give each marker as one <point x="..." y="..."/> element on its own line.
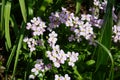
<point x="77" y="73"/>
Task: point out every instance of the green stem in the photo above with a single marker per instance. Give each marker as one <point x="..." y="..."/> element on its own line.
<point x="18" y="50"/>
<point x="77" y="73"/>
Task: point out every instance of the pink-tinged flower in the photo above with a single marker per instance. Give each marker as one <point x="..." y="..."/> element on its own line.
<point x="96" y="2"/>
<point x="31" y="43"/>
<point x="35" y="20"/>
<point x="73" y="57"/>
<point x="35" y="71"/>
<point x="69" y="22"/>
<point x="57" y="56"/>
<point x="71" y="38"/>
<point x="39" y="69"/>
<point x="29" y="26"/>
<point x="57" y="64"/>
<point x="52" y="38"/>
<point x="37" y="26"/>
<point x="85" y="17"/>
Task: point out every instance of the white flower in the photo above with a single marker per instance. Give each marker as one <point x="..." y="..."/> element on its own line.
<point x="32" y="48"/>
<point x="96" y="2"/>
<point x="31" y="76"/>
<point x="86" y="17"/>
<point x="73" y="57"/>
<point x="38" y="66"/>
<point x="57" y="77"/>
<point x="31" y="43"/>
<point x="25" y="39"/>
<point x="116" y="33"/>
<point x="35" y="20"/>
<point x="57" y="56"/>
<point x="53" y="34"/>
<point x="57" y="64"/>
<point x="76" y="21"/>
<point x="29" y="26"/>
<point x="69" y="23"/>
<point x="35" y="71"/>
<point x="70" y="63"/>
<point x="67" y="77"/>
<point x="39" y="69"/>
<point x="52" y="38"/>
<point x="37" y="26"/>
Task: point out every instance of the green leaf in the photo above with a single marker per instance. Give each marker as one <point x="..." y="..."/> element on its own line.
<point x="7" y="18"/>
<point x="11" y="57"/>
<point x="90" y="62"/>
<point x="2" y="19"/>
<point x="77" y="73"/>
<point x="105" y="39"/>
<point x="43" y="7"/>
<point x="78" y="4"/>
<point x="14" y="25"/>
<point x="18" y="49"/>
<point x="111" y="58"/>
<point x="23" y="10"/>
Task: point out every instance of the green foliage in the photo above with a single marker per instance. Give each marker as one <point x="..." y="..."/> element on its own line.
<point x="101" y="62"/>
<point x="7" y="18"/>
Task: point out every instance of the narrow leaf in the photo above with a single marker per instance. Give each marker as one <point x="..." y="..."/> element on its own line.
<point x="111" y="58"/>
<point x="23" y="10"/>
<point x="11" y="57"/>
<point x="78" y="4"/>
<point x="18" y="49"/>
<point x="14" y="25"/>
<point x="2" y="19"/>
<point x="105" y="39"/>
<point x="7" y="18"/>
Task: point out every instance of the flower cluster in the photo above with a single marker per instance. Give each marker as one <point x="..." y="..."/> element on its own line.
<point x="39" y="69"/>
<point x="57" y="55"/>
<point x="37" y="26"/>
<point x="86" y="31"/>
<point x="57" y="18"/>
<point x="80" y="26"/>
<point x="101" y="5"/>
<point x="52" y="38"/>
<point x="66" y="77"/>
<point x="116" y="33"/>
<point x="31" y="42"/>
<point x="73" y="57"/>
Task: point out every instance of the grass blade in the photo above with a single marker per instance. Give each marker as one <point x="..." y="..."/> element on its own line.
<point x="77" y="73"/>
<point x="2" y="19"/>
<point x="105" y="39"/>
<point x="14" y="25"/>
<point x="30" y="5"/>
<point x="78" y="4"/>
<point x="111" y="58"/>
<point x="23" y="10"/>
<point x="18" y="49"/>
<point x="11" y="57"/>
<point x="7" y="18"/>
